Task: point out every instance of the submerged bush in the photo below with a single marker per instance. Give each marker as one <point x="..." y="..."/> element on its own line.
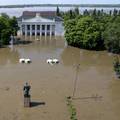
<point x="116" y="65"/>
<point x="112" y="37"/>
<point x="71" y="109"/>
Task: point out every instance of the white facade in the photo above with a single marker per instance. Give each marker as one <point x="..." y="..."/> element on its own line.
<point x="59" y="29"/>
<point x="39" y="26"/>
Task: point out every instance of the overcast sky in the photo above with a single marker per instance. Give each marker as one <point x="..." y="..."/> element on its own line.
<point x="9" y="2"/>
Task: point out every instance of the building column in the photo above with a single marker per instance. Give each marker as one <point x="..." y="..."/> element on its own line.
<point x="30" y="30"/>
<point x="45" y="30"/>
<point x="40" y="30"/>
<point x="21" y="30"/>
<point x="35" y="31"/>
<point x="25" y="30"/>
<point x="50" y="30"/>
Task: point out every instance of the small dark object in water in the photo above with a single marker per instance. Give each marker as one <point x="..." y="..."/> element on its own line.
<point x="7" y="88"/>
<point x="69" y="97"/>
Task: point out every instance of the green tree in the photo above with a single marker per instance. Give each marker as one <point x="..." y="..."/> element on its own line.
<point x="13" y="25"/>
<point x="90" y="33"/>
<point x="3" y="26"/>
<point x="84" y="33"/>
<point x="5" y="36"/>
<point x="70" y="31"/>
<point x="94" y="12"/>
<point x="58" y="11"/>
<point x="86" y="12"/>
<point x="94" y="30"/>
<point x="8" y="26"/>
<point x="115" y="12"/>
<point x="112" y="37"/>
<point x="5" y="15"/>
<point x="119" y="12"/>
<point x="76" y="11"/>
<point x="110" y="12"/>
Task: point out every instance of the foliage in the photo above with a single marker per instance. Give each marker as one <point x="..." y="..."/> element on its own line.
<point x="77" y="11"/>
<point x="8" y="27"/>
<point x="112" y="37"/>
<point x="5" y="15"/>
<point x="58" y="11"/>
<point x="94" y="29"/>
<point x="14" y="25"/>
<point x="84" y="33"/>
<point x="5" y="36"/>
<point x="89" y="31"/>
<point x="71" y="109"/>
<point x="116" y="65"/>
<point x="70" y="32"/>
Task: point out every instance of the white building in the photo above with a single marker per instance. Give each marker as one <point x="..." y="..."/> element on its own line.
<point x="44" y="23"/>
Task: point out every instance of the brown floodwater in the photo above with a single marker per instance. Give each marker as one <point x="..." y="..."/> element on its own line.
<point x="96" y="95"/>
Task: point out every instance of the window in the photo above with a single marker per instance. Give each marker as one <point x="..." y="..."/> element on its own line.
<point x="38" y="33"/>
<point x="48" y="33"/>
<point x="43" y="27"/>
<point x="33" y="27"/>
<point x="43" y="34"/>
<point x="48" y="27"/>
<point x="28" y="27"/>
<point x="53" y="33"/>
<point x="38" y="27"/>
<point x="23" y="33"/>
<point x="28" y="33"/>
<point x="33" y="33"/>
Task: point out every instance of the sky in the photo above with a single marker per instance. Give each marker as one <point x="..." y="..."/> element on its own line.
<point x="13" y="2"/>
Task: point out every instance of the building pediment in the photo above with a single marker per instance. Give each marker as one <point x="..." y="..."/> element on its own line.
<point x="38" y="19"/>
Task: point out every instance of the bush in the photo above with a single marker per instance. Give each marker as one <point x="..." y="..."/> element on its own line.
<point x="5" y="36"/>
<point x="84" y="33"/>
<point x="116" y="65"/>
<point x="112" y="37"/>
<point x="8" y="26"/>
<point x="94" y="30"/>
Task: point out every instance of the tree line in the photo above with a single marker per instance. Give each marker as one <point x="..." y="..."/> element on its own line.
<point x="92" y="29"/>
<point x="8" y="27"/>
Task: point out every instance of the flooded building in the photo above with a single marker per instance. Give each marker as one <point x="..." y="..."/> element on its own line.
<point x="43" y="23"/>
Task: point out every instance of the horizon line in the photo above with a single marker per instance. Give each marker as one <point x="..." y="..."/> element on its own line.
<point x="59" y="5"/>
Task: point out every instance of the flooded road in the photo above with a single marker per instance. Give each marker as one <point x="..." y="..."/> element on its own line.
<point x="51" y="84"/>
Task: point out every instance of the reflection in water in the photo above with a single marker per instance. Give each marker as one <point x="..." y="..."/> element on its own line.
<point x="96" y="76"/>
<point x="71" y="56"/>
<point x="45" y="40"/>
<point x="115" y="98"/>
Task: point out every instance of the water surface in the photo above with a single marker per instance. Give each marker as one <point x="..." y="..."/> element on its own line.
<point x="51" y="84"/>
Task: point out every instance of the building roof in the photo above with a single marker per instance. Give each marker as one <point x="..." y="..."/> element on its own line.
<point x="38" y="19"/>
<point x="44" y="14"/>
